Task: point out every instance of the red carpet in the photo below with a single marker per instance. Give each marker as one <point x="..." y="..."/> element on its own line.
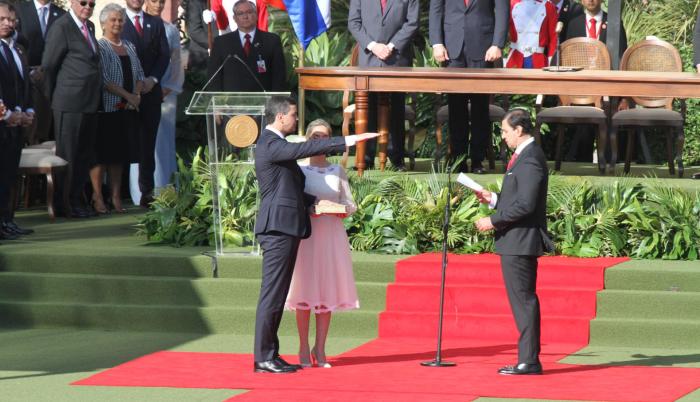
<point x="387" y="369"/>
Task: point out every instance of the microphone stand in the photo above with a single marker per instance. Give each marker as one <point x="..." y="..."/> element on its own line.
<point x="438" y="362"/>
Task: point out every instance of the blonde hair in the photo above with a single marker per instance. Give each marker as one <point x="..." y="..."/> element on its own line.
<point x="318" y="123"/>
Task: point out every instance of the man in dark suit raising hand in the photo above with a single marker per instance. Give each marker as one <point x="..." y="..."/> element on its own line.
<point x="283" y="220"/>
<point x="520" y="225"/>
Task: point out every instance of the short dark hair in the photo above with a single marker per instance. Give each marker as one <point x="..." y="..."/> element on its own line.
<point x="8" y="5"/>
<point x="519" y="117"/>
<point x="276" y="105"/>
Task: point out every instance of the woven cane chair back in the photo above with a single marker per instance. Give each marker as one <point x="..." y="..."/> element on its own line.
<point x="590" y="54"/>
<point x="652" y="55"/>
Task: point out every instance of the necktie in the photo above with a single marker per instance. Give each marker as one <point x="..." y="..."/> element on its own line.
<point x="466" y="3"/>
<point x="87" y="36"/>
<point x="383" y="4"/>
<point x="246" y="45"/>
<point x="10" y="59"/>
<point x="592" y="31"/>
<point x="512" y="160"/>
<point x="137" y="25"/>
<point x="43" y="11"/>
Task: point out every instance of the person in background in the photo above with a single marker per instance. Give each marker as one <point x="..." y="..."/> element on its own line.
<point x="520" y="225"/>
<point x="35" y="19"/>
<point x="468" y="34"/>
<point x="172" y="82"/>
<point x="323" y="280"/>
<point x="533" y="34"/>
<point x="198" y="34"/>
<point x="17" y="114"/>
<point x="118" y="126"/>
<point x="147" y="33"/>
<point x="73" y="81"/>
<point x="384" y="32"/>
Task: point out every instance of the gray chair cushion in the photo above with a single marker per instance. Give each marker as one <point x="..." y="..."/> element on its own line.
<point x="496" y="113"/>
<point x="40" y="158"/>
<point x="571" y="112"/>
<point x="648" y="117"/>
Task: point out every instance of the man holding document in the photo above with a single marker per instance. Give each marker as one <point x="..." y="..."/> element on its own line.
<point x="520" y="225"/>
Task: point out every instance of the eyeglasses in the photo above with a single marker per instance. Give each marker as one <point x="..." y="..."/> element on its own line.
<point x="90" y="4"/>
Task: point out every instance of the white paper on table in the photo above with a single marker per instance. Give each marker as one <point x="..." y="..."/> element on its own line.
<point x="468" y="182"/>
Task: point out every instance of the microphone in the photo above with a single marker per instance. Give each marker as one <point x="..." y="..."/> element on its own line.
<point x="218" y="70"/>
<point x="262" y="88"/>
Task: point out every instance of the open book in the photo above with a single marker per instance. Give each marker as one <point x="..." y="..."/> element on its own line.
<point x="329" y="207"/>
<point x="468" y="182"/>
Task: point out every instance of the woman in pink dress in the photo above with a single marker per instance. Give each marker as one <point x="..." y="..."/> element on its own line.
<point x="323" y="280"/>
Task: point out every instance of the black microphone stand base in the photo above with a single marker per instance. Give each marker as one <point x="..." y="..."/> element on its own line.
<point x="436" y="363"/>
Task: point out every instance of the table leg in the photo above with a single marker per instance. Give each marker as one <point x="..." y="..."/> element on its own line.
<point x="383" y="128"/>
<point x="361" y="106"/>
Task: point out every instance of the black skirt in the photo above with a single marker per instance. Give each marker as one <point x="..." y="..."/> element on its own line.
<point x="118" y="137"/>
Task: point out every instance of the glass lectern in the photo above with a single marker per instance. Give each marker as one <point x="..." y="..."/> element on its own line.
<point x="234" y="122"/>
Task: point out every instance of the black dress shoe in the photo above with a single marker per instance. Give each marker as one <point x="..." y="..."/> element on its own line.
<point x="521" y="369"/>
<point x="12" y="227"/>
<point x="272" y="366"/>
<point x="7" y="235"/>
<point x="146" y="200"/>
<point x="77" y="212"/>
<point x="284" y="363"/>
<point x="478" y="169"/>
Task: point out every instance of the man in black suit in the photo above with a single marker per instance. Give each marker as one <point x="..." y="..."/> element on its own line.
<point x="250" y="60"/>
<point x="471" y="34"/>
<point x="520" y="225"/>
<point x="35" y="19"/>
<point x="147" y="33"/>
<point x="198" y="33"/>
<point x="384" y="31"/>
<point x="566" y="9"/>
<point x="590" y="21"/>
<point x="283" y="220"/>
<point x="15" y="95"/>
<point x="73" y="83"/>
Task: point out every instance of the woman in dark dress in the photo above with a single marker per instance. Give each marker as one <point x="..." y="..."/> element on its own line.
<point x="117" y="136"/>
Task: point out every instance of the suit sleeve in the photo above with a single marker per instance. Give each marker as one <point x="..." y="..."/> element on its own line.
<point x="214" y="63"/>
<point x="196" y="29"/>
<point x="54" y="53"/>
<point x="696" y="41"/>
<point x="402" y="38"/>
<point x="502" y="17"/>
<point x="278" y="65"/>
<point x="436" y="18"/>
<point x="530" y="177"/>
<point x="279" y="150"/>
<point x="356" y="27"/>
<point x="163" y="54"/>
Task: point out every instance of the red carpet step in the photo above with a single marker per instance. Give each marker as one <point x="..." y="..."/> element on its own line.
<point x="476" y="305"/>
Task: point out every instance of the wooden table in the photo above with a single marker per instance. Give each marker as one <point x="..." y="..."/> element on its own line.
<point x="362" y="80"/>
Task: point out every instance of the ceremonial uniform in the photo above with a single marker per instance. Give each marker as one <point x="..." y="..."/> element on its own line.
<point x="532" y="33"/>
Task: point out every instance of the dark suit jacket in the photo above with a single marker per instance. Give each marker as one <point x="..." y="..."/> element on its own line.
<point x="30" y="28"/>
<point x="152" y="47"/>
<point x="16" y="89"/>
<point x="234" y="77"/>
<point x="72" y="76"/>
<point x="696" y="41"/>
<point x="397" y="25"/>
<point x="569" y="9"/>
<point x="483" y="24"/>
<point x="521" y="212"/>
<point x="283" y="203"/>
<point x="577" y="29"/>
<point x="198" y="33"/>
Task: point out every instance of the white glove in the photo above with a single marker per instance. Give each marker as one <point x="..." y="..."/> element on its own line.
<point x="208" y="16"/>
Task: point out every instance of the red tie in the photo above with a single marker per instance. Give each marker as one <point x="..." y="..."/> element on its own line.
<point x="466" y="3"/>
<point x="383" y="4"/>
<point x="512" y="160"/>
<point x="87" y="36"/>
<point x="246" y="45"/>
<point x="137" y="25"/>
<point x="592" y="31"/>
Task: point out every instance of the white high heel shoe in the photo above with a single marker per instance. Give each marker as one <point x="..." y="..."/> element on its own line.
<point x="317" y="362"/>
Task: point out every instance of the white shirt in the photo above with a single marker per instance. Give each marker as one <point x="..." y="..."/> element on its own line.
<point x="518" y="150"/>
<point x="242" y="35"/>
<point x="39" y="6"/>
<point x="598" y="22"/>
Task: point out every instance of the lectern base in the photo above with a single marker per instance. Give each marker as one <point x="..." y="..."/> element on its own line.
<point x="435" y="363"/>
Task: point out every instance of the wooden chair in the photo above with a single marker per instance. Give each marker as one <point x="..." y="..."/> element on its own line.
<point x="590" y="54"/>
<point x="349" y="115"/>
<point x="652" y="55"/>
<point x="41" y="160"/>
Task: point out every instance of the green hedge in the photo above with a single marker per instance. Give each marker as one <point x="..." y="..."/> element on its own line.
<point x="402" y="215"/>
